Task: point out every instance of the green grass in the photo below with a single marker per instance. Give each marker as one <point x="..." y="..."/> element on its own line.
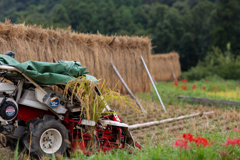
<point x="225" y="90"/>
<point x="165" y="150"/>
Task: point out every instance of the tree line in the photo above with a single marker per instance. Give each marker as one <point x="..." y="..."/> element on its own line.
<point x="189" y="27"/>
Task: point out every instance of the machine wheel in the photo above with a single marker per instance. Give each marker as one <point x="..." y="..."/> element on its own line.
<point x="48" y="136"/>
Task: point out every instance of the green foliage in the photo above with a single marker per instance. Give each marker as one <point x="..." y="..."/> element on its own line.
<point x="190" y="27"/>
<point x="165" y="149"/>
<point x="222" y="64"/>
<point x="226" y="22"/>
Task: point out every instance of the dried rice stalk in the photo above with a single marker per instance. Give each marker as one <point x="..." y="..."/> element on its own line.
<point x="92" y="104"/>
<point x="164" y="65"/>
<point x="35" y="43"/>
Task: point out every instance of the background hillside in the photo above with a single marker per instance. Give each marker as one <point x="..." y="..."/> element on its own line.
<point x="189" y="27"/>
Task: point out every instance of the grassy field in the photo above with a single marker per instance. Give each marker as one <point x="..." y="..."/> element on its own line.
<point x="159" y="140"/>
<point x="217" y="90"/>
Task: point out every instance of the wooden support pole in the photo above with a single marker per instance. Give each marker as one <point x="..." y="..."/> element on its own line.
<point x="174" y="76"/>
<point x="151" y="95"/>
<point x="129" y="91"/>
<point x="153" y="84"/>
<point x="148" y="124"/>
<point x="54" y="59"/>
<point x="154" y="81"/>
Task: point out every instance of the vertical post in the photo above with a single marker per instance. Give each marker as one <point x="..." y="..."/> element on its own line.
<point x="55" y="60"/>
<point x="153" y="84"/>
<point x="174" y="76"/>
<point x="151" y="96"/>
<point x="129" y="91"/>
<point x="154" y="81"/>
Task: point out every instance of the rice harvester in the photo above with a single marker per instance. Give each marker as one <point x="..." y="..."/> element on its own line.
<point x="43" y="119"/>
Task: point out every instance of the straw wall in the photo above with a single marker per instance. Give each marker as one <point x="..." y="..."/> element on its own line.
<point x="164" y="65"/>
<point x="93" y="51"/>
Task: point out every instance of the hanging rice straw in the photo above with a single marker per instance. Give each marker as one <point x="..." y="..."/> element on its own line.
<point x="92" y="105"/>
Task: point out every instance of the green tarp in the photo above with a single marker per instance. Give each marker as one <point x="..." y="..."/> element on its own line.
<point x="49" y="73"/>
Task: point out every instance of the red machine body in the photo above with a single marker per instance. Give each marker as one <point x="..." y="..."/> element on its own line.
<point x="108" y="138"/>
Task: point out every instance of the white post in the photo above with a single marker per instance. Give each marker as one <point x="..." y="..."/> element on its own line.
<point x="129" y="91"/>
<point x="148" y="124"/>
<point x="153" y="84"/>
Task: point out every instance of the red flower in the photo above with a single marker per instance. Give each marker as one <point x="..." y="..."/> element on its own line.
<point x="184" y="81"/>
<point x="184" y="87"/>
<point x="232" y="142"/>
<point x="213" y="87"/>
<point x="238" y="130"/>
<point x="198" y="140"/>
<point x="202" y="141"/>
<point x="194" y="86"/>
<point x="176" y="82"/>
<point x="203" y="87"/>
<point x="188" y="137"/>
<point x="207" y="80"/>
<point x="182" y="143"/>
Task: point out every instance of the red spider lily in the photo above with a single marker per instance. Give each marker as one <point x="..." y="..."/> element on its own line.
<point x="194" y="86"/>
<point x="203" y="87"/>
<point x="188" y="137"/>
<point x="235" y="129"/>
<point x="213" y="87"/>
<point x="232" y="142"/>
<point x="201" y="141"/>
<point x="207" y="80"/>
<point x="184" y="81"/>
<point x="198" y="140"/>
<point x="184" y="87"/>
<point x="176" y="82"/>
<point x="182" y="143"/>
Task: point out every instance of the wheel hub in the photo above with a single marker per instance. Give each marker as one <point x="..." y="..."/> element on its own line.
<point x="50" y="141"/>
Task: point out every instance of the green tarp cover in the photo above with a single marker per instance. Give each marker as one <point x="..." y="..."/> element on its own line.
<point x="49" y="73"/>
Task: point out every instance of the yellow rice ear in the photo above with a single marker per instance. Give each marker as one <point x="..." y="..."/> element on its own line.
<point x="91" y="106"/>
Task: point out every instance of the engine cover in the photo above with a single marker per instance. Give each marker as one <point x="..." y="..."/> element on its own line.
<point x="55" y="100"/>
<point x="9" y="110"/>
<point x="6" y="88"/>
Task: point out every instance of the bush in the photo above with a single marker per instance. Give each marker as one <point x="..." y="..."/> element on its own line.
<point x="216" y="63"/>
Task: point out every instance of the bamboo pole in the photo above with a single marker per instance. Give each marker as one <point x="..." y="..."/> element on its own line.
<point x="153" y="84"/>
<point x="129" y="91"/>
<point x="154" y="81"/>
<point x="135" y="126"/>
<point x="54" y="59"/>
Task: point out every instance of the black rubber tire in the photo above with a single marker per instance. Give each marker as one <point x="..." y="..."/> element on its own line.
<point x="36" y="128"/>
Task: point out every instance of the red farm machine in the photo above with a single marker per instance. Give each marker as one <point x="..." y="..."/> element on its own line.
<point x="45" y="121"/>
